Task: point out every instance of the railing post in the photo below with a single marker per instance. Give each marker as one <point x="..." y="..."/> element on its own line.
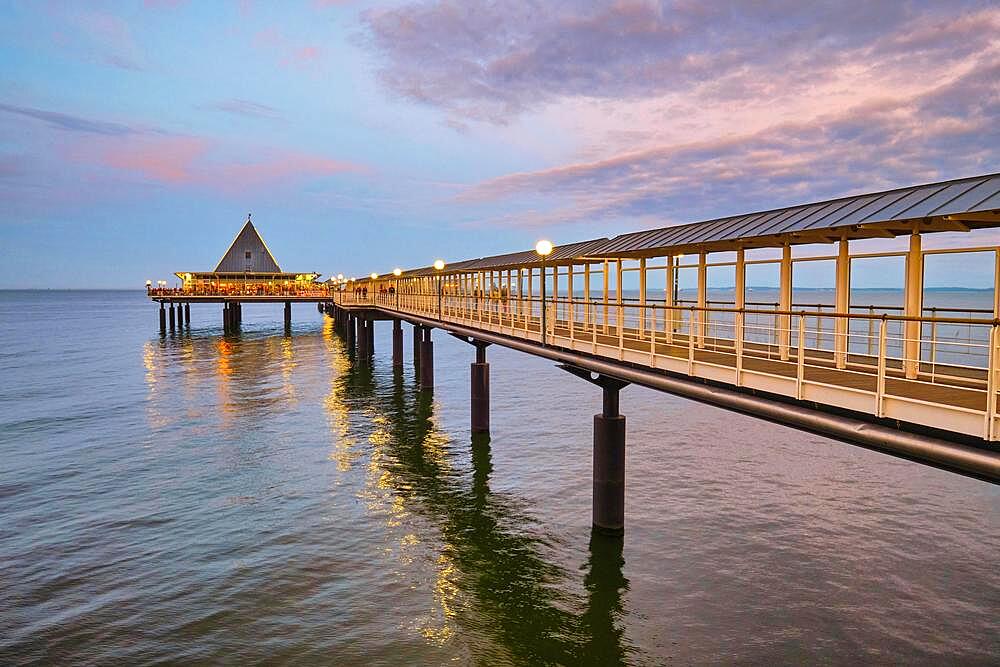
<point x="739" y="348"/>
<point x="880" y="384"/>
<point x="800" y="373"/>
<point x="607" y="267"/>
<point x="642" y="298"/>
<point x="593" y="339"/>
<point x="652" y="339"/>
<point x="991" y="387"/>
<point x="702" y="295"/>
<point x="569" y="297"/>
<point x="934" y="342"/>
<point x="871" y="328"/>
<point x="621" y="330"/>
<point x="691" y="341"/>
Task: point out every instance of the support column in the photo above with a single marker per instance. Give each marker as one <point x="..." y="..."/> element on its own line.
<point x="914" y="299"/>
<point x="608" y="509"/>
<point x="785" y="301"/>
<point x="427" y="361"/>
<point x="173" y="323"/>
<point x="605" y="299"/>
<point x="163" y="320"/>
<point x="180" y="316"/>
<point x="668" y="299"/>
<point x="619" y="296"/>
<point x="370" y="330"/>
<point x="226" y="324"/>
<point x="740" y="303"/>
<point x="352" y="331"/>
<point x="187" y="314"/>
<point x="397" y="344"/>
<point x="418" y="342"/>
<point x="480" y="387"/>
<point x="702" y="296"/>
<point x="363" y="349"/>
<point x="642" y="297"/>
<point x="842" y="304"/>
<point x="288" y="317"/>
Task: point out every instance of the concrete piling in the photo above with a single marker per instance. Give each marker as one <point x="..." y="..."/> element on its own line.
<point x="397" y="344"/>
<point x="187" y="314"/>
<point x="173" y="322"/>
<point x="480" y="390"/>
<point x="609" y="462"/>
<point x="163" y="320"/>
<point x="418" y="341"/>
<point x="427" y="362"/>
<point x="288" y="317"/>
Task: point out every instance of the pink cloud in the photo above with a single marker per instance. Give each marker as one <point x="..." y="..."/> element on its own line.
<point x="275" y="168"/>
<point x="199" y="162"/>
<point x="162" y="159"/>
<point x="303" y="56"/>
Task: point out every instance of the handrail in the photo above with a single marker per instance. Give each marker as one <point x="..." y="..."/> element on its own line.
<point x="709" y="309"/>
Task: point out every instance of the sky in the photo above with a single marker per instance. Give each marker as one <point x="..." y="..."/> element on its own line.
<point x="136" y="136"/>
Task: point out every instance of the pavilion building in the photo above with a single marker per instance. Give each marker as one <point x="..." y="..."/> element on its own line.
<point x="248" y="269"/>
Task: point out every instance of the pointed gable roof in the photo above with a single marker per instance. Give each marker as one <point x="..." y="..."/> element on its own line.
<point x="237" y="259"/>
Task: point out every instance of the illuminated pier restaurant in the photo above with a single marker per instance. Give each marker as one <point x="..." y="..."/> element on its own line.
<point x="247" y="272"/>
<point x="917" y="379"/>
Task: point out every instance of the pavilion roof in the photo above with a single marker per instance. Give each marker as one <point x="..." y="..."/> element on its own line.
<point x="248" y="253"/>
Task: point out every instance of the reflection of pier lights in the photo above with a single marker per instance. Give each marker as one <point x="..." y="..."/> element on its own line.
<point x="500" y="566"/>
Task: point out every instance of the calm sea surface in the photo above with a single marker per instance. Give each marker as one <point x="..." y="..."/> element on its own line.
<point x="199" y="500"/>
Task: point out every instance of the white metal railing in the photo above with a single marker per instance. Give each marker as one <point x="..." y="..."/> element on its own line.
<point x="803" y="352"/>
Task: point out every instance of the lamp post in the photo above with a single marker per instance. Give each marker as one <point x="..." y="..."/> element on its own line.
<point x="439" y="266"/>
<point x="149" y="286"/>
<point x="544" y="249"/>
<point x="397" y="272"/>
<point x="374" y="277"/>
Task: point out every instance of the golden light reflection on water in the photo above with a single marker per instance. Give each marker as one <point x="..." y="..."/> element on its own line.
<point x="441" y="627"/>
<point x="387" y="495"/>
<point x="338" y="414"/>
<point x="288" y="364"/>
<point x="152" y="376"/>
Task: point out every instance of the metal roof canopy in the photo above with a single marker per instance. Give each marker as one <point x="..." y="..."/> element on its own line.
<point x="561" y="254"/>
<point x="958" y="205"/>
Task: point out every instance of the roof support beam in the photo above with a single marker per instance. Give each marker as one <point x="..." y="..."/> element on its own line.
<point x="785" y="301"/>
<point x="842" y="299"/>
<point x="913" y="299"/>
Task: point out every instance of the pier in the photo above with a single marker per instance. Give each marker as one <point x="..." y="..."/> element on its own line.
<point x="909" y="379"/>
<point x="247" y="273"/>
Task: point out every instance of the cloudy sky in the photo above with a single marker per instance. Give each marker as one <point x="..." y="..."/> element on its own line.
<point x="135" y="137"/>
